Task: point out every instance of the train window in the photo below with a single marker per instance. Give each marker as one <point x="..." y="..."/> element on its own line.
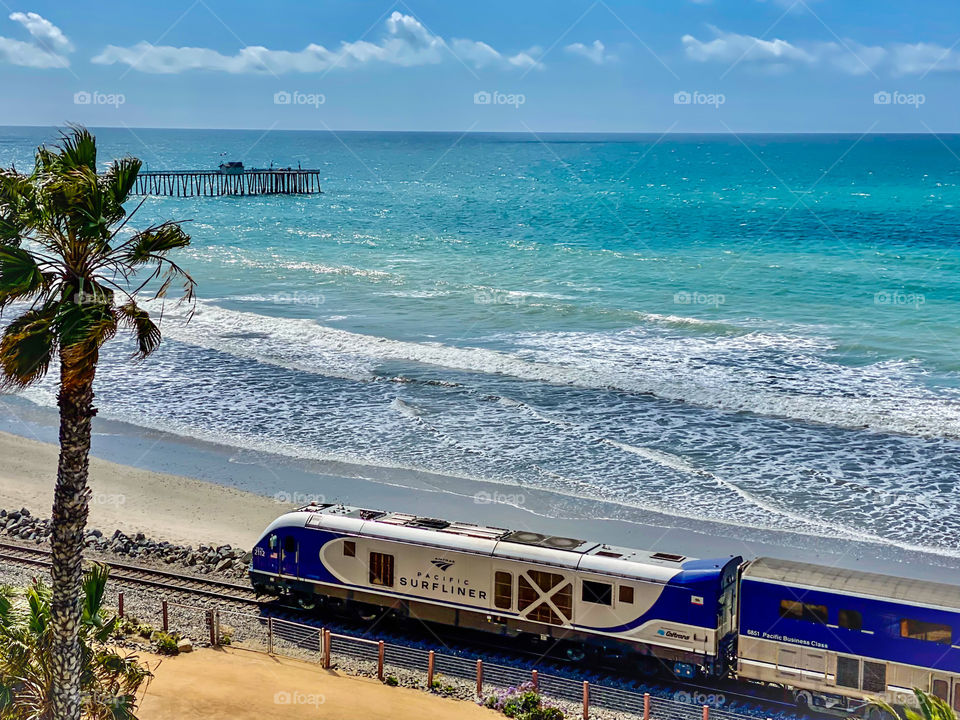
<point x="931" y="632"/>
<point x="527" y="595"/>
<point x="273" y="542"/>
<point x="626" y="594"/>
<point x="874" y="677"/>
<point x="381" y="569"/>
<point x="794" y="610"/>
<point x="597" y="593"/>
<point x="563" y="599"/>
<point x="848" y="672"/>
<point x="546" y="581"/>
<point x="545" y="614"/>
<point x="289" y="545"/>
<point x="850" y="619"/>
<point x="349" y="548"/>
<point x="503" y="590"/>
<point x="941" y="689"/>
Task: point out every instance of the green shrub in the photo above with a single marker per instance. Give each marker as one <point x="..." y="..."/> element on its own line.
<point x="544" y="712"/>
<point x="391" y="680"/>
<point x="166" y="643"/>
<point x="520" y="705"/>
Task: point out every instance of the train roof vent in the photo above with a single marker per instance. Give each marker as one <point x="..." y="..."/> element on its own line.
<point x="368" y="514"/>
<point x="527" y="538"/>
<point x="608" y="553"/>
<point x="429" y="523"/>
<point x="562" y="543"/>
<point x="669" y="557"/>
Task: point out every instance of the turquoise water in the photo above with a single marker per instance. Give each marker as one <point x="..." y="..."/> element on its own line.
<point x="761" y="331"/>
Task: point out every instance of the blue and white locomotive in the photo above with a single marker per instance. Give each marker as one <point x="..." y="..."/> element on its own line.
<point x="675" y="609"/>
<point x="832" y="637"/>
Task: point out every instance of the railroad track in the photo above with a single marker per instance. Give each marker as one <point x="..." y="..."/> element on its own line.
<point x="138" y="575"/>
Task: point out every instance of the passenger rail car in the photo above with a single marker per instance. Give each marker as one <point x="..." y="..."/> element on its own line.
<point x="838" y="635"/>
<point x="678" y="610"/>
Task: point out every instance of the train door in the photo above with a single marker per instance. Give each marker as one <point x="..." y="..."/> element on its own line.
<point x="289" y="556"/>
<point x="947" y="689"/>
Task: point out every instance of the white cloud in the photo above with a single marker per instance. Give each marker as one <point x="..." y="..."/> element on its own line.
<point x="731" y="47"/>
<point x="595" y="53"/>
<point x="406" y="42"/>
<point x="47" y="50"/>
<point x="45" y="32"/>
<point x="921" y="58"/>
<point x="847" y="56"/>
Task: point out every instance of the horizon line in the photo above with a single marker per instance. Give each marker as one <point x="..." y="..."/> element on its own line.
<point x="534" y="132"/>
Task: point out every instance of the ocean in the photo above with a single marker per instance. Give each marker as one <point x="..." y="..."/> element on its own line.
<point x="758" y="331"/>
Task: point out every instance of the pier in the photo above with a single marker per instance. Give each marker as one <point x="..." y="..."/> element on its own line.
<point x="228" y="181"/>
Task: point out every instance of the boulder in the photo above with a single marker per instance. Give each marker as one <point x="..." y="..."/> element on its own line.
<point x="185" y="645"/>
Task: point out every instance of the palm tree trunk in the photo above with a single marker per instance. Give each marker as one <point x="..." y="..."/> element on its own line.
<point x="71" y="501"/>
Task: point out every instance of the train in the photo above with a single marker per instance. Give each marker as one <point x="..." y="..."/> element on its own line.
<point x="833" y="639"/>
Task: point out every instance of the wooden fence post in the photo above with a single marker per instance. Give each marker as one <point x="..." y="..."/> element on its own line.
<point x="586" y="700"/>
<point x="380" y="650"/>
<point x="479" y="677"/>
<point x="430" y="661"/>
<point x="120" y="603"/>
<point x="166" y="621"/>
<point x="646" y="706"/>
<point x="535" y="680"/>
<point x="326" y="649"/>
<point x="706" y="712"/>
<point x="212" y="628"/>
<point x="270" y="635"/>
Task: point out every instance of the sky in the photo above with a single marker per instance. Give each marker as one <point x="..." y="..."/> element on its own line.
<point x="521" y="66"/>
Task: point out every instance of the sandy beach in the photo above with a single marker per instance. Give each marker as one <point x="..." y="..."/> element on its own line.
<point x="210" y="684"/>
<point x="191" y="492"/>
<point x="178" y="509"/>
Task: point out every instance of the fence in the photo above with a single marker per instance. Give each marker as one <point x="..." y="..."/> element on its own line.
<point x="278" y="636"/>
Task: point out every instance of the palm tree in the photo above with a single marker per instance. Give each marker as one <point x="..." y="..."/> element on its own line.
<point x="75" y="283"/>
<point x="931" y="708"/>
<point x="109" y="681"/>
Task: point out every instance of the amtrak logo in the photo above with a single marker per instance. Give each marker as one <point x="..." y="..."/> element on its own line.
<point x="441" y="563"/>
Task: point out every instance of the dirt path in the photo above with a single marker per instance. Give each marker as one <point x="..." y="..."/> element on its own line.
<point x="233" y="684"/>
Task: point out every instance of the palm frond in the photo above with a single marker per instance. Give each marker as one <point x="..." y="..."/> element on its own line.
<point x="120" y="178"/>
<point x="152" y="244"/>
<point x="145" y="331"/>
<point x="78" y="149"/>
<point x="20" y="275"/>
<point x="27" y="347"/>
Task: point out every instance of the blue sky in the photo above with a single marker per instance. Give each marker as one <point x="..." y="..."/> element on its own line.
<point x="528" y="65"/>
